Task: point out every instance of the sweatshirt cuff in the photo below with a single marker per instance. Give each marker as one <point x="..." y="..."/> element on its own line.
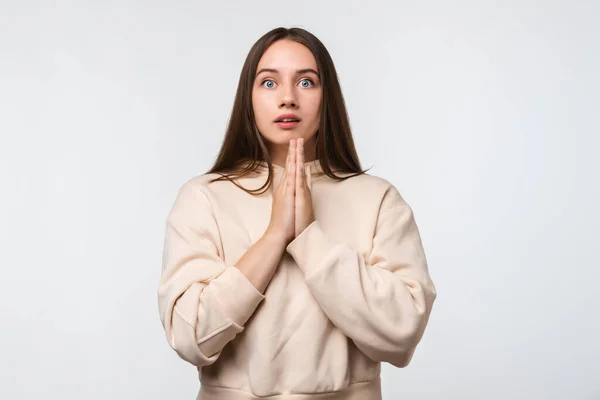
<point x="310" y="248"/>
<point x="236" y="294"/>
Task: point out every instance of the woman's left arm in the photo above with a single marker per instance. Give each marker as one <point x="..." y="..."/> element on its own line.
<point x="381" y="300"/>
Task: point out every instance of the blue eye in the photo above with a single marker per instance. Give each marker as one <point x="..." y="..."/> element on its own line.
<point x="303" y="81"/>
<point x="269" y="84"/>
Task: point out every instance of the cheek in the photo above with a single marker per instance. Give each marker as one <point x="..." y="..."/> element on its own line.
<point x="258" y="105"/>
<point x="315" y="107"/>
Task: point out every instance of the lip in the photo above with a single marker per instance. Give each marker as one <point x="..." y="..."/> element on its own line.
<point x="287" y="125"/>
<point x="288" y="116"/>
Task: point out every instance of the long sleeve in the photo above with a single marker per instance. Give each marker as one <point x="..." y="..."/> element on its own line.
<point x="203" y="302"/>
<point x="381" y="300"/>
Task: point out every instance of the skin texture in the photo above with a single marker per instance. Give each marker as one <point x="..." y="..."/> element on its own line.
<point x="303" y="216"/>
<point x="284" y="84"/>
<point x="276" y="93"/>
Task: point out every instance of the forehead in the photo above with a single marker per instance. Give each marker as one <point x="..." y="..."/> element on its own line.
<point x="287" y="54"/>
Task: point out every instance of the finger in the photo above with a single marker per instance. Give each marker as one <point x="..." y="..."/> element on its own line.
<point x="300" y="167"/>
<point x="284" y="178"/>
<point x="299" y="178"/>
<point x="300" y="150"/>
<point x="287" y="158"/>
<point x="292" y="166"/>
<point x="308" y="178"/>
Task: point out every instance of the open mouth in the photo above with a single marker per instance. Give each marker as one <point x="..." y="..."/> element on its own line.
<point x="287" y="120"/>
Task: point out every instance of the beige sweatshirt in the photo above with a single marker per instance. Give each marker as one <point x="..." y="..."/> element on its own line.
<point x="351" y="291"/>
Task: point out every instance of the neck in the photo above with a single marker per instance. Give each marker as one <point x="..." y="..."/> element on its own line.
<point x="279" y="152"/>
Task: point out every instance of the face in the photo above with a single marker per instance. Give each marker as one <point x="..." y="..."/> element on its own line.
<point x="286" y="96"/>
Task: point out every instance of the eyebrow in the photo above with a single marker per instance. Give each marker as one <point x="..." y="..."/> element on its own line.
<point x="300" y="71"/>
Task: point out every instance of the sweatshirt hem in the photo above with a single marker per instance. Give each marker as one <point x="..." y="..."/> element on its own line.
<point x="370" y="390"/>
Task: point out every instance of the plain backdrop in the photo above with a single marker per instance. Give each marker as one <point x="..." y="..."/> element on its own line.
<point x="484" y="114"/>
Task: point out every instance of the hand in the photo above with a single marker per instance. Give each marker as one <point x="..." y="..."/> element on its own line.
<point x="303" y="208"/>
<point x="282" y="213"/>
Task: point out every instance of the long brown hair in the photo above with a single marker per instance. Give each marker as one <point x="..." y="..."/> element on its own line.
<point x="243" y="149"/>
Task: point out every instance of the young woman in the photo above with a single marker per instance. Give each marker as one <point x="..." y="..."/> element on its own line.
<point x="289" y="272"/>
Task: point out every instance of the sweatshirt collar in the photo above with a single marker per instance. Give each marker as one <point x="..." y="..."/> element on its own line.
<point x="314" y="166"/>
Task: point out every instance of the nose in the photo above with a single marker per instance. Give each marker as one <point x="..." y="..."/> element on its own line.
<point x="288" y="99"/>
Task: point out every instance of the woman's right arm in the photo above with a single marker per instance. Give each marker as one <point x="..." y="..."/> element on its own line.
<point x="203" y="302"/>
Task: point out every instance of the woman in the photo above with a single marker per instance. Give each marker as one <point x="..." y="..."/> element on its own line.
<point x="288" y="271"/>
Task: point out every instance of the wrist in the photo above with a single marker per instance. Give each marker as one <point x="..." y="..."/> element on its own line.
<point x="274" y="239"/>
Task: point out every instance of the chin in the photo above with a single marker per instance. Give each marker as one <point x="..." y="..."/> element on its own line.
<point x="283" y="137"/>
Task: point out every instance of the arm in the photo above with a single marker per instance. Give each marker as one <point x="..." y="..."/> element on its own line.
<point x="381" y="300"/>
<point x="203" y="302"/>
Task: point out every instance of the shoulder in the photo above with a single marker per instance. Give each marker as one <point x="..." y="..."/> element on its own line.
<point x="368" y="185"/>
<point x="197" y="198"/>
<point x="213" y="193"/>
<point x="195" y="191"/>
<point x="200" y="182"/>
<point x="205" y="184"/>
<point x="196" y="185"/>
<point x="371" y="180"/>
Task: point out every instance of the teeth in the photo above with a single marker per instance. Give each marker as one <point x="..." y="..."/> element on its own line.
<point x="288" y="120"/>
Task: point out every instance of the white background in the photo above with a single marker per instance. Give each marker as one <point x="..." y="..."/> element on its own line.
<point x="484" y="115"/>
